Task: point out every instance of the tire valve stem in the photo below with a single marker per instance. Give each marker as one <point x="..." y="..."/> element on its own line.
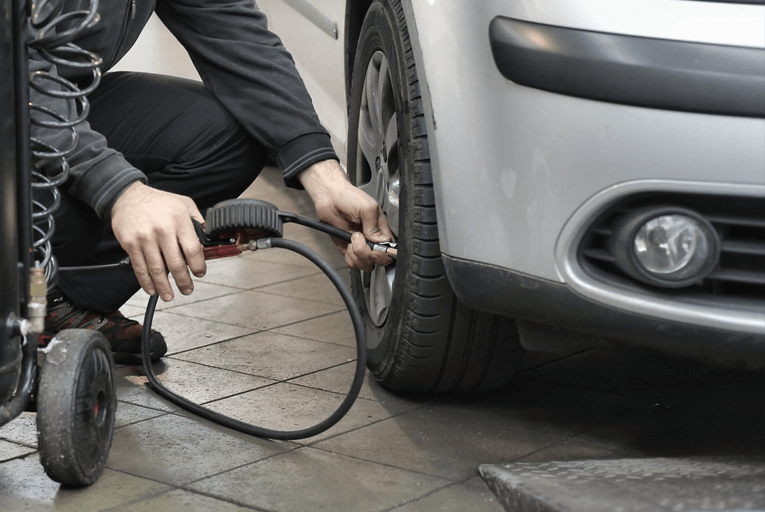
<point x="37" y="307"/>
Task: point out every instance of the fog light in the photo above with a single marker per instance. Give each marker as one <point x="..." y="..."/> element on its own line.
<point x="665" y="246"/>
<point x="672" y="246"/>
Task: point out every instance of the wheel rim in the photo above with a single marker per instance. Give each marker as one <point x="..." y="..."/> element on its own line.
<point x="378" y="172"/>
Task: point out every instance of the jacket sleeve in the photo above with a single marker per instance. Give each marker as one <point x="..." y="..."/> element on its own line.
<point x="97" y="173"/>
<point x="248" y="69"/>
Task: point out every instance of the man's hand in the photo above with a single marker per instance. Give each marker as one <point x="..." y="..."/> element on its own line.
<point x="346" y="207"/>
<point x="155" y="229"/>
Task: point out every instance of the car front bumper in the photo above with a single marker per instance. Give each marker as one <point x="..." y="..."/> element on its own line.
<point x="562" y="314"/>
<point x="576" y="107"/>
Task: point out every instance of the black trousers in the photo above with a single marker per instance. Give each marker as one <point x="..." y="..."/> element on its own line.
<point x="183" y="139"/>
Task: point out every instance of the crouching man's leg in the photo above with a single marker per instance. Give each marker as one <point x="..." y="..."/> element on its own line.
<point x="187" y="144"/>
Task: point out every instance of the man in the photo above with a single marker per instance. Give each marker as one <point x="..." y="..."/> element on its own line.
<point x="157" y="151"/>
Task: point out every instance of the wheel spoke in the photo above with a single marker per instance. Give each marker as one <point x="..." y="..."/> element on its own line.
<point x="391" y="135"/>
<point x="373" y="92"/>
<point x="380" y="292"/>
<point x="367" y="141"/>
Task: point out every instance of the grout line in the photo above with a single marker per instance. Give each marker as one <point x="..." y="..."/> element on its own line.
<point x="434" y="491"/>
<point x="384" y="464"/>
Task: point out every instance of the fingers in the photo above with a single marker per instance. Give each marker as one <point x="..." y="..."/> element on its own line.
<point x="374" y="225"/>
<point x="149" y="268"/>
<point x="155" y="229"/>
<point x="193" y="253"/>
<point x="152" y="258"/>
<point x="384" y="229"/>
<point x="359" y="256"/>
<point x="141" y="271"/>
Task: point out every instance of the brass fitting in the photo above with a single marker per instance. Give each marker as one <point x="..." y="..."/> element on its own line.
<point x="37" y="307"/>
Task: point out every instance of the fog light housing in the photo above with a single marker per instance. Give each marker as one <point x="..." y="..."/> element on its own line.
<point x="665" y="246"/>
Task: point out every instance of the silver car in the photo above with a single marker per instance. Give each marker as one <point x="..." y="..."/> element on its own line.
<point x="554" y="170"/>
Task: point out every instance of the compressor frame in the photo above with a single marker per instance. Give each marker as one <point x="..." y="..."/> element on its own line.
<point x="71" y="386"/>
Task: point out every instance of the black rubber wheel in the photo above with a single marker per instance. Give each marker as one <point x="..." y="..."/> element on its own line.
<point x="76" y="405"/>
<point x="420" y="337"/>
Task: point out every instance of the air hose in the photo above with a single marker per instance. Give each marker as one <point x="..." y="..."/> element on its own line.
<point x="249" y="224"/>
<point x="252" y="218"/>
<point x="53" y="33"/>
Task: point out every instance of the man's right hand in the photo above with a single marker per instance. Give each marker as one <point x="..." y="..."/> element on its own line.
<point x="155" y="229"/>
<point x="344" y="206"/>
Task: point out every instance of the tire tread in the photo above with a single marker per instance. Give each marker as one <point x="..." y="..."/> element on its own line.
<point x="438" y="344"/>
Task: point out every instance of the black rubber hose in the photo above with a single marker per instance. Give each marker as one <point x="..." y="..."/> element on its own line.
<point x="317" y="225"/>
<point x="125" y="262"/>
<point x="221" y="419"/>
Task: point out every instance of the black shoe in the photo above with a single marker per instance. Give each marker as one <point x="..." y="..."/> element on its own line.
<point x="123" y="334"/>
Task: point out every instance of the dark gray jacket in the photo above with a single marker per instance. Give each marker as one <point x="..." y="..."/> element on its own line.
<point x="243" y="64"/>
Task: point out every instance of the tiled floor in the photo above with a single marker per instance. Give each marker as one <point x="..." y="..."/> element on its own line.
<point x="266" y="339"/>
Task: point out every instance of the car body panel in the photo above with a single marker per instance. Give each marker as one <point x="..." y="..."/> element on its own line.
<point x="531" y="158"/>
<point x="520" y="172"/>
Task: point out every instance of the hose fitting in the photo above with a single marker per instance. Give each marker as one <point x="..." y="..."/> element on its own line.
<point x="37" y="307"/>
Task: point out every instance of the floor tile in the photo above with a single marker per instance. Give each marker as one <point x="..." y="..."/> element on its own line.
<point x="133" y="391"/>
<point x="22" y="429"/>
<point x="292" y="408"/>
<point x="471" y="496"/>
<point x="316" y="287"/>
<point x="128" y="413"/>
<point x="338" y="380"/>
<point x="183" y="333"/>
<point x="281" y="256"/>
<point x="447" y="436"/>
<point x="180" y="500"/>
<point x="196" y="382"/>
<point x="420" y="442"/>
<point x="177" y="450"/>
<point x="24" y="487"/>
<point x="202" y="291"/>
<point x="246" y="273"/>
<point x="10" y="450"/>
<point x="314" y="480"/>
<point x="332" y="328"/>
<point x="134" y="311"/>
<point x="256" y="310"/>
<point x="271" y="355"/>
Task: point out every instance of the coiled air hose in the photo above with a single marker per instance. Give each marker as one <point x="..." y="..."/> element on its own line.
<point x="53" y="33"/>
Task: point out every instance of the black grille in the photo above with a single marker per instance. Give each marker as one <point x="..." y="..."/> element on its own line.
<point x="740" y="225"/>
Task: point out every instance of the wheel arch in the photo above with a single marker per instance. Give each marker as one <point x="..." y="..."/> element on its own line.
<point x="355" y="11"/>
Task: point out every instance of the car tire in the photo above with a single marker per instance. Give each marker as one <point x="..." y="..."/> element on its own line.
<point x="420" y="337"/>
